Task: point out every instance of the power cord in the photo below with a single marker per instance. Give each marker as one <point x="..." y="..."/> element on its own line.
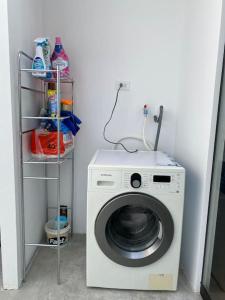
<point x="107" y="123"/>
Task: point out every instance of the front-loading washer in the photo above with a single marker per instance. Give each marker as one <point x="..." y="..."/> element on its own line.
<point x="134" y="220"/>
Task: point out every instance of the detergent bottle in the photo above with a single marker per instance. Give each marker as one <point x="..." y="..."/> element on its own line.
<point x="39" y="62"/>
<point x="59" y="58"/>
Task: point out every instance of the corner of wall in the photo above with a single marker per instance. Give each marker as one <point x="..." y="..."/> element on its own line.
<point x="198" y="113"/>
<point x="9" y="240"/>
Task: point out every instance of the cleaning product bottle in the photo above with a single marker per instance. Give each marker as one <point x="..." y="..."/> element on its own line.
<point x="67" y="105"/>
<point x="44" y="41"/>
<point x="39" y="62"/>
<point x="52" y="100"/>
<point x="47" y="56"/>
<point x="60" y="59"/>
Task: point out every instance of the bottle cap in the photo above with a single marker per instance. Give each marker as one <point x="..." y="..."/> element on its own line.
<point x="58" y="40"/>
<point x="67" y="101"/>
<point x="51" y="86"/>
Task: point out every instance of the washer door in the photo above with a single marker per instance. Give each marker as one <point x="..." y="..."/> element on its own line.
<point x="134" y="229"/>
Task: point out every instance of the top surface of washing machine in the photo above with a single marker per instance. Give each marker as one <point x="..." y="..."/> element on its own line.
<point x="140" y="159"/>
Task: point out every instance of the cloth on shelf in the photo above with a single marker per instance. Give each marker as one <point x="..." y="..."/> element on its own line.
<point x="72" y="122"/>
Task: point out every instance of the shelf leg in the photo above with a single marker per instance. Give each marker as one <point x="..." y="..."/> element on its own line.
<point x="72" y="195"/>
<point x="22" y="213"/>
<point x="72" y="183"/>
<point x="58" y="228"/>
<point x="58" y="181"/>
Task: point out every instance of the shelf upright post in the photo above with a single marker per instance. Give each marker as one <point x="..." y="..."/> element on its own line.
<point x="45" y="102"/>
<point x="21" y="169"/>
<point x="72" y="179"/>
<point x="58" y="166"/>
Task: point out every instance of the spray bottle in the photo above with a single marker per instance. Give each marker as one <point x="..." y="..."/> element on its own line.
<point x="39" y="62"/>
<point x="44" y="42"/>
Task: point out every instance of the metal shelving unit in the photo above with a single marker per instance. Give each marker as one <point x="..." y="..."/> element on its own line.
<point x="58" y="161"/>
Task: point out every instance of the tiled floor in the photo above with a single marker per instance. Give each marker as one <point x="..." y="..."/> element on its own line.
<point x="41" y="281"/>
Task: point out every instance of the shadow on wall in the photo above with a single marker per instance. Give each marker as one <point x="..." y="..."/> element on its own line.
<point x="192" y="205"/>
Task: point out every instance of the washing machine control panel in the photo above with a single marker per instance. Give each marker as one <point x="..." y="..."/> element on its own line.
<point x="157" y="181"/>
<point x="154" y="181"/>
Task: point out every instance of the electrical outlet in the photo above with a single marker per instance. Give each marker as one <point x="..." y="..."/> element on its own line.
<point x="125" y="87"/>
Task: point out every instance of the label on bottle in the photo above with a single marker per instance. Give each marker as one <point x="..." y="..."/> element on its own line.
<point x="61" y="63"/>
<point x="67" y="139"/>
<point x="52" y="106"/>
<point x="38" y="64"/>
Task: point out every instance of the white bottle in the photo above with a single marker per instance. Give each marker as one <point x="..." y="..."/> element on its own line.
<point x="39" y="62"/>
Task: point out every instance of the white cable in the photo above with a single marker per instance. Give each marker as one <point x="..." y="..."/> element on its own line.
<point x="133" y="138"/>
<point x="148" y="146"/>
<point x="128" y="138"/>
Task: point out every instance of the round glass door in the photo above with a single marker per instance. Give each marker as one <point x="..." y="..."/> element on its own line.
<point x="134" y="229"/>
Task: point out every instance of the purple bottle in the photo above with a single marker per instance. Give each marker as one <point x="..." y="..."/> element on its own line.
<point x="60" y="58"/>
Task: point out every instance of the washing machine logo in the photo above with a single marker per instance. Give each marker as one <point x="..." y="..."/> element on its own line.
<point x="106" y="175"/>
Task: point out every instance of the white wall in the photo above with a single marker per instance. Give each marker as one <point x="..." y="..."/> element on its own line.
<point x="7" y="182"/>
<point x="169" y="51"/>
<point x="196" y="122"/>
<point x="25" y="23"/>
<point x="138" y="41"/>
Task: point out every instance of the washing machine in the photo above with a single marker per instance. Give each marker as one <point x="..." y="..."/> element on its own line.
<point x="134" y="220"/>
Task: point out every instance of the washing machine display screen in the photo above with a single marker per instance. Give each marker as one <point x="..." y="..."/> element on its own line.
<point x="133" y="228"/>
<point x="161" y="178"/>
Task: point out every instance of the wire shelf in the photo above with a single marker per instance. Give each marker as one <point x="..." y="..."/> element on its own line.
<point x="46" y="161"/>
<point x="57" y="160"/>
<point x="51" y="160"/>
<point x="45" y="244"/>
<point x="45" y="118"/>
<point x="54" y="80"/>
<point x="38" y="71"/>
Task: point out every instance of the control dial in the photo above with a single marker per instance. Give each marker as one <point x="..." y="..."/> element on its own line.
<point x="135" y="180"/>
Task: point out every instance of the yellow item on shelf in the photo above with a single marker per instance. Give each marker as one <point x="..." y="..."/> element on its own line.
<point x="51" y="93"/>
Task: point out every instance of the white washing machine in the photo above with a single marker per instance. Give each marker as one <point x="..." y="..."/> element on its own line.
<point x="134" y="220"/>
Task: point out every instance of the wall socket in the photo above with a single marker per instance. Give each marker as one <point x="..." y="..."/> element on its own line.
<point x="126" y="85"/>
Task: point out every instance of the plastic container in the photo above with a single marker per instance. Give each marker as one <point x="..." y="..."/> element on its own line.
<point x="44" y="42"/>
<point x="44" y="144"/>
<point x="47" y="56"/>
<point x="52" y="103"/>
<point x="64" y="210"/>
<point x="67" y="105"/>
<point x="59" y="58"/>
<point x="39" y="62"/>
<point x="63" y="222"/>
<point x="51" y="233"/>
